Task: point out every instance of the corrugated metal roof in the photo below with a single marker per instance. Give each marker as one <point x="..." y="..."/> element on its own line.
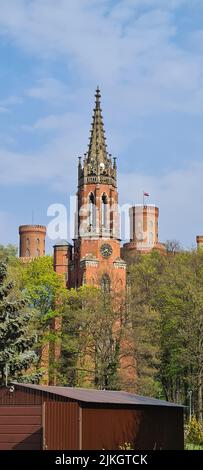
<point x="99" y="396"/>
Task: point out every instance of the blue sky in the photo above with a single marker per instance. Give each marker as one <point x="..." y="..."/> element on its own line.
<point x="147" y="57"/>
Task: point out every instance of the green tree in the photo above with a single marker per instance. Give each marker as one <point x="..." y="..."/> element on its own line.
<point x="91" y="338"/>
<point x="145" y="320"/>
<point x="43" y="286"/>
<point x="8" y="253"/>
<point x="16" y="333"/>
<point x="180" y="301"/>
<point x="166" y="304"/>
<point x="172" y="246"/>
<point x="46" y="293"/>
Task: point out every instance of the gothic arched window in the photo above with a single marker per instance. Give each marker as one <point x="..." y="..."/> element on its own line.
<point x="37" y="252"/>
<point x="104" y="210"/>
<point x="105" y="284"/>
<point x="27" y="253"/>
<point x="150" y="237"/>
<point x="27" y="241"/>
<point x="92" y="211"/>
<point x="151" y="224"/>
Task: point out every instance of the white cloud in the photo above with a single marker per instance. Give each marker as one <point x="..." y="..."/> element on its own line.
<point x="58" y="122"/>
<point x="8" y="102"/>
<point x="48" y="89"/>
<point x="11" y="100"/>
<point x="3" y="109"/>
<point x="55" y="162"/>
<point x="130" y="48"/>
<point x="27" y="168"/>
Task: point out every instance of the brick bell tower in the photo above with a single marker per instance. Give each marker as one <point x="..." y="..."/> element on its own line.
<point x="96" y="259"/>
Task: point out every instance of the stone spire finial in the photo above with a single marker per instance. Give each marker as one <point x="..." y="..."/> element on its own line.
<point x="98" y="96"/>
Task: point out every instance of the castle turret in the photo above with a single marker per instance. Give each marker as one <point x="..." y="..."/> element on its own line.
<point x="144" y="233"/>
<point x="144" y="226"/>
<point x="32" y="241"/>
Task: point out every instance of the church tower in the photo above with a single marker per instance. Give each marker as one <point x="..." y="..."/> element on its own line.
<point x="96" y="259"/>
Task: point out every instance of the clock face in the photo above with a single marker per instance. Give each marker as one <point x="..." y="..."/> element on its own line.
<point x="106" y="250"/>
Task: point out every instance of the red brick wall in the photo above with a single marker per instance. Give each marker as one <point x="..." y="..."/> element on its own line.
<point x="32" y="241"/>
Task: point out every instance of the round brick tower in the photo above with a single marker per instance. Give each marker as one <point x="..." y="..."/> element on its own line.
<point x="144" y="235"/>
<point x="32" y="240"/>
<point x="144" y="226"/>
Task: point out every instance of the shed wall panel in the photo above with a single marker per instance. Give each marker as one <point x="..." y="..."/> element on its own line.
<point x="61" y="426"/>
<point x="20" y="427"/>
<point x="26" y="396"/>
<point x="21" y="420"/>
<point x="147" y="428"/>
<point x="19" y="397"/>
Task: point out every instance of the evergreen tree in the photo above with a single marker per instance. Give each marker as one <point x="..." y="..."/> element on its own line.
<point x="16" y="333"/>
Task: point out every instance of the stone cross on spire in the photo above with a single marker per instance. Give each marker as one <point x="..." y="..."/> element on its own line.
<point x="97" y="147"/>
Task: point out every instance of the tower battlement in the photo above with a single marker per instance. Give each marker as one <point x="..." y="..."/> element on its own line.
<point x="33" y="228"/>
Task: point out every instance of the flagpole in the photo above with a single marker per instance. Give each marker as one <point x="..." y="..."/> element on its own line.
<point x="143" y="198"/>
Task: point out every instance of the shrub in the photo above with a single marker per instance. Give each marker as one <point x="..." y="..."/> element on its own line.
<point x="194" y="432"/>
<point x="126" y="446"/>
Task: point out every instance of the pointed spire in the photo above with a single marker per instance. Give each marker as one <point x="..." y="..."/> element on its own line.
<point x="97" y="166"/>
<point x="97" y="147"/>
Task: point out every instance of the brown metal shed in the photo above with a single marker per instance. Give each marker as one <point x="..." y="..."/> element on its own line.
<point x="64" y="418"/>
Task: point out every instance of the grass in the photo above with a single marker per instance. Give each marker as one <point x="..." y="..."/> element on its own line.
<point x="193" y="447"/>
